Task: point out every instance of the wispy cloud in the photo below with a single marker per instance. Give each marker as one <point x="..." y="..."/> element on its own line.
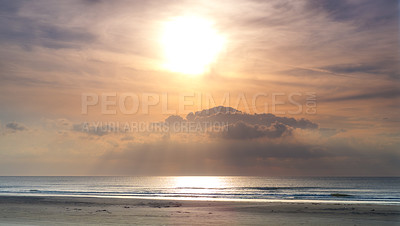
<point x="381" y="94"/>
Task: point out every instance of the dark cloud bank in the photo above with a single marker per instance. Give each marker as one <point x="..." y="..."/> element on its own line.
<point x="261" y="144"/>
<point x="242" y="126"/>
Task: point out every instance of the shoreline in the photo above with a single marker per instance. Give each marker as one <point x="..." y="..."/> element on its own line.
<point x="50" y="210"/>
<point x="361" y="202"/>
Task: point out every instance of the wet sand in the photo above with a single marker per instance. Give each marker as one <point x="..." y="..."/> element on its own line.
<point x="17" y="210"/>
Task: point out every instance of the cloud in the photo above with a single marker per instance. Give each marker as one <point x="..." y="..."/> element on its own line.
<point x="387" y="67"/>
<point x="231" y="116"/>
<point x="345" y="33"/>
<point x="97" y="130"/>
<point x="234" y="124"/>
<point x="380" y="94"/>
<point x="328" y="132"/>
<point x="365" y="13"/>
<point x="179" y="158"/>
<point x="242" y="131"/>
<point x="247" y="157"/>
<point x="174" y="119"/>
<point x="240" y="150"/>
<point x="29" y="33"/>
<point x="15" y="127"/>
<point x="211" y="112"/>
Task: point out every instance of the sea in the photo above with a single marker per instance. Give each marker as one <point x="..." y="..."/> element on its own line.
<point x="377" y="190"/>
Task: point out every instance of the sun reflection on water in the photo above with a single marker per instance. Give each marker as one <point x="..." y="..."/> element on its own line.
<point x="199" y="184"/>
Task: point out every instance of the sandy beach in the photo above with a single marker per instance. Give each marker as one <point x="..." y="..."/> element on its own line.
<point x="16" y="210"/>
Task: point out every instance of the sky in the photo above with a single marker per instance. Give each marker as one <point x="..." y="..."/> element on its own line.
<point x="285" y="88"/>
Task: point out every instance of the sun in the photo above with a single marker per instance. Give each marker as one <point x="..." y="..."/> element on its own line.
<point x="191" y="44"/>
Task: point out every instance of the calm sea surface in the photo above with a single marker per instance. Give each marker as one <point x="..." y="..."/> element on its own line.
<point x="355" y="189"/>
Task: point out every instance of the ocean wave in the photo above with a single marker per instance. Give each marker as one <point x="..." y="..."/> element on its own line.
<point x="252" y="188"/>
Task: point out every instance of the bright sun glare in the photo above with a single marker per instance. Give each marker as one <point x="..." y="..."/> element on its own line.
<point x="190" y="44"/>
<point x="198" y="182"/>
